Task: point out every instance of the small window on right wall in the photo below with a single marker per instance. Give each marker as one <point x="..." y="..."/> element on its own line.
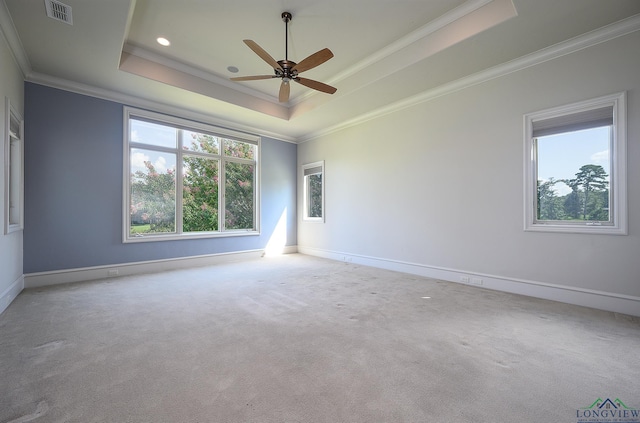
<point x="313" y="183"/>
<point x="575" y="167"/>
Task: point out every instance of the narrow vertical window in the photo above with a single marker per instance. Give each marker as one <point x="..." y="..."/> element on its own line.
<point x="313" y="182"/>
<point x="14" y="173"/>
<point x="575" y="168"/>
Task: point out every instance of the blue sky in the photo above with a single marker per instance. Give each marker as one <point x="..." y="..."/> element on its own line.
<point x="159" y="136"/>
<point x="561" y="156"/>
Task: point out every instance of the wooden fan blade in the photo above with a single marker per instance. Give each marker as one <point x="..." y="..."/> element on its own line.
<point x="316" y="85"/>
<point x="263" y="54"/>
<point x="285" y="88"/>
<point x="314" y="60"/>
<point x="252" y="78"/>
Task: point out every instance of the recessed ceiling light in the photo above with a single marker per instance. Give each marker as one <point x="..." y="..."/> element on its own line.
<point x="232" y="69"/>
<point x="163" y="41"/>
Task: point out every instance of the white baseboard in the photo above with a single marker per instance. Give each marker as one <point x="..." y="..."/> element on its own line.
<point x="601" y="300"/>
<point x="34" y="280"/>
<point x="11" y="293"/>
<point x="288" y="249"/>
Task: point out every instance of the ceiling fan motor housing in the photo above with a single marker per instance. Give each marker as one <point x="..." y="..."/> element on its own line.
<point x="286" y="72"/>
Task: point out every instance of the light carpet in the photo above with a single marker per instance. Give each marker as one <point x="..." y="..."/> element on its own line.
<point x="302" y="339"/>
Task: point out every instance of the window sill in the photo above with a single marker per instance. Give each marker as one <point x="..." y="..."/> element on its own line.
<point x="586" y="228"/>
<point x="178" y="237"/>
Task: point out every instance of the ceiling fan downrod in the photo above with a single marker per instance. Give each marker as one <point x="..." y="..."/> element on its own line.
<point x="286" y="17"/>
<point x="286" y="65"/>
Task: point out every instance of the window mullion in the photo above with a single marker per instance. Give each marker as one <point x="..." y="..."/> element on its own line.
<point x="534" y="178"/>
<point x="222" y="181"/>
<point x="179" y="181"/>
<point x="612" y="173"/>
<point x="152" y="147"/>
<point x="239" y="160"/>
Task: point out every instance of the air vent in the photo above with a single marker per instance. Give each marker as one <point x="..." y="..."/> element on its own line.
<point x="59" y="11"/>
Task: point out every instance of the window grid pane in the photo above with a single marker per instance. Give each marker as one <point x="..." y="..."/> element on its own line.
<point x="239" y="149"/>
<point x="200" y="194"/>
<point x="153" y="190"/>
<point x="573" y="176"/>
<point x="204" y="143"/>
<point x="314" y="195"/>
<point x="155" y="134"/>
<point x="239" y="196"/>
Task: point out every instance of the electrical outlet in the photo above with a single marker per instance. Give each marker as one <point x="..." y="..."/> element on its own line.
<point x="464" y="279"/>
<point x="476" y="281"/>
<point x="112" y="272"/>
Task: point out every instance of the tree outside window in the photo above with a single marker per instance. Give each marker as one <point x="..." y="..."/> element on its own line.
<point x="184" y="181"/>
<point x="313" y="184"/>
<point x="575" y="163"/>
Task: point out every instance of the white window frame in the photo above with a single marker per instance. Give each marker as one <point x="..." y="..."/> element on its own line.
<point x="130" y="112"/>
<point x="13" y="170"/>
<point x="617" y="174"/>
<point x="306" y="168"/>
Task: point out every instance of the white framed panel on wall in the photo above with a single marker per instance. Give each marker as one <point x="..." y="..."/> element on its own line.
<point x="13" y="169"/>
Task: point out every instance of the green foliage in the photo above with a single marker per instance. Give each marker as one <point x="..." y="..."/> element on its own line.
<point x="548" y="206"/>
<point x="239" y="149"/>
<point x="153" y="194"/>
<point x="572" y="203"/>
<point x="140" y="229"/>
<point x="153" y="199"/>
<point x="315" y="195"/>
<point x="239" y="196"/>
<point x="204" y="143"/>
<point x="592" y="179"/>
<point x="588" y="199"/>
<point x="200" y="194"/>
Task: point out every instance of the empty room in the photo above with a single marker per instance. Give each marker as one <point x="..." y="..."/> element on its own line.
<point x="303" y="211"/>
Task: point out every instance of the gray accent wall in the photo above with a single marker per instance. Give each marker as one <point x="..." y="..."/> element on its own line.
<point x="439" y="185"/>
<point x="73" y="188"/>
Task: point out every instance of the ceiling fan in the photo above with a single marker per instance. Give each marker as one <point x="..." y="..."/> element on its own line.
<point x="288" y="70"/>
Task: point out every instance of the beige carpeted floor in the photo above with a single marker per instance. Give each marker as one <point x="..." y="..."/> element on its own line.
<point x="302" y="339"/>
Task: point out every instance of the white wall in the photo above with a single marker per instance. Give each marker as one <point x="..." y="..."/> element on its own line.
<point x="437" y="189"/>
<point x="11" y="85"/>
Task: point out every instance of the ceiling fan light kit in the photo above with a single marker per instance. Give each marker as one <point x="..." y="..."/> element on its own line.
<point x="288" y="70"/>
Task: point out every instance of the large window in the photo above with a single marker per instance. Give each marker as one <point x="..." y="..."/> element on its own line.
<point x="575" y="178"/>
<point x="14" y="174"/>
<point x="313" y="203"/>
<point x="185" y="179"/>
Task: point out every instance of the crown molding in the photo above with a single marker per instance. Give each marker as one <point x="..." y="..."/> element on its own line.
<point x="13" y="40"/>
<point x="581" y="42"/>
<point x="395" y="47"/>
<point x="129" y="100"/>
<point x="194" y="71"/>
<point x="175" y="78"/>
<point x="420" y="33"/>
